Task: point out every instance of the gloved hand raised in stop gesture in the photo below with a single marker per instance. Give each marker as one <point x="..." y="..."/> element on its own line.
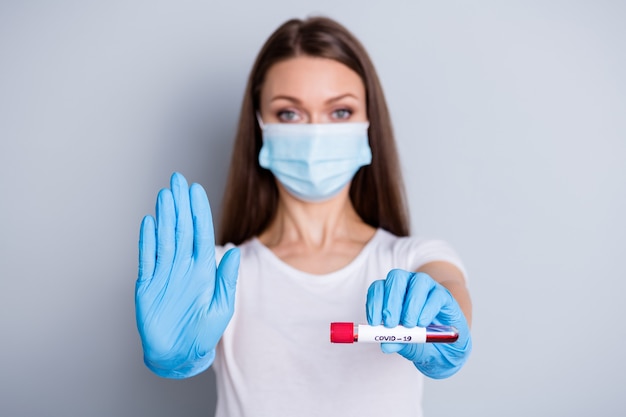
<point x="183" y="301"/>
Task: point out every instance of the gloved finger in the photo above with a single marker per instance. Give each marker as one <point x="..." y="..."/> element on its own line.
<point x="166" y="226"/>
<point x="184" y="223"/>
<point x="226" y="282"/>
<point x="395" y="292"/>
<point x="450" y="312"/>
<point x="203" y="233"/>
<point x="374" y="302"/>
<point x="147" y="249"/>
<point x="436" y="303"/>
<point x="419" y="287"/>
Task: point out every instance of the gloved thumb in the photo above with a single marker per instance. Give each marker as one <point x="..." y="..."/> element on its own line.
<point x="226" y="281"/>
<point x="411" y="351"/>
<point x="391" y="347"/>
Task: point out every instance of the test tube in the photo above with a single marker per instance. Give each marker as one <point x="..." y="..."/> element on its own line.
<point x="347" y="332"/>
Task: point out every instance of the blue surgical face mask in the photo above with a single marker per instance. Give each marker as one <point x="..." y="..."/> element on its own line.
<point x="314" y="161"/>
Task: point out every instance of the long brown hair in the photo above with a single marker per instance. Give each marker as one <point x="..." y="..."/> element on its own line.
<point x="377" y="190"/>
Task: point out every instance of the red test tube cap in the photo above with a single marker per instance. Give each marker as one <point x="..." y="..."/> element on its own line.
<point x="342" y="332"/>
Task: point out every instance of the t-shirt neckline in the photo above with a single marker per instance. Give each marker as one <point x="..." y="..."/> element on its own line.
<point x="295" y="272"/>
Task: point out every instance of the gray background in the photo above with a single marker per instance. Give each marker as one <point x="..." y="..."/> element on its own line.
<point x="510" y="118"/>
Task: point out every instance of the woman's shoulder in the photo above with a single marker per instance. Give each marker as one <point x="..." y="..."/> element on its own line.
<point x="416" y="250"/>
<point x="386" y="238"/>
<point x="245" y="248"/>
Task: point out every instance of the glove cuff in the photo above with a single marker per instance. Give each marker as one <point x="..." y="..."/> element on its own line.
<point x="187" y="370"/>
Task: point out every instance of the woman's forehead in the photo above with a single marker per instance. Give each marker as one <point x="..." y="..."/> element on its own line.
<point x="313" y="77"/>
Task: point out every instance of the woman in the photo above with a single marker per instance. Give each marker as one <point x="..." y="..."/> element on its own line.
<point x="314" y="230"/>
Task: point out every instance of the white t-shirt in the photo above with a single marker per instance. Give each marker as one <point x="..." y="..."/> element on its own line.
<point x="275" y="358"/>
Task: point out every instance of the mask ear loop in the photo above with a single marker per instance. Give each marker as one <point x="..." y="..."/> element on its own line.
<point x="258" y="118"/>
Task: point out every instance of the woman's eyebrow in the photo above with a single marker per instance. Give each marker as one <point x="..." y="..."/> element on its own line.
<point x="341" y="97"/>
<point x="283" y="97"/>
<point x="330" y="100"/>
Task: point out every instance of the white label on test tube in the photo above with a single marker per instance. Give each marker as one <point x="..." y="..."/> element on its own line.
<point x="399" y="334"/>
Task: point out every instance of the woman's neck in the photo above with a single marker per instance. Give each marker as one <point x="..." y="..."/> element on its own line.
<point x="315" y="226"/>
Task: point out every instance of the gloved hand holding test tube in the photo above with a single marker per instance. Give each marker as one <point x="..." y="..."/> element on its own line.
<point x="415" y="299"/>
<point x="346" y="332"/>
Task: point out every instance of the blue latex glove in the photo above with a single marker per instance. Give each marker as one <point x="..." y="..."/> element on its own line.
<point x="415" y="299"/>
<point x="183" y="302"/>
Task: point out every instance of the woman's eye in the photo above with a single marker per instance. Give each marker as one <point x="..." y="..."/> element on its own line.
<point x="342" y="114"/>
<point x="288" y="116"/>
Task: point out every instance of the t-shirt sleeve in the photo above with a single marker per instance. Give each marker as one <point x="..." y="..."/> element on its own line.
<point x="221" y="250"/>
<point x="421" y="251"/>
